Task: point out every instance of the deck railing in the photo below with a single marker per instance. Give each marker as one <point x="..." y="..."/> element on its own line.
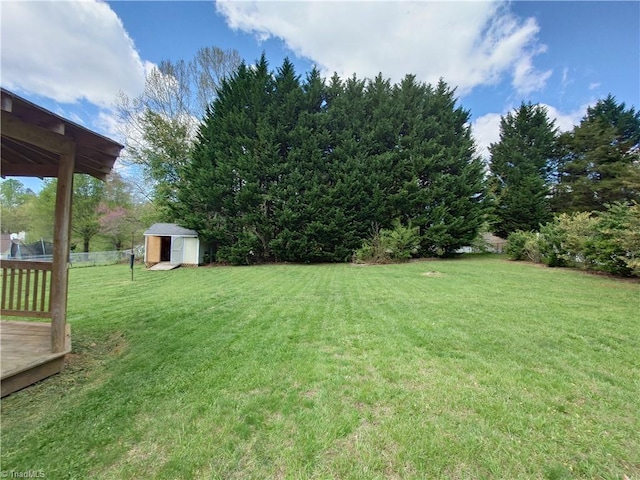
<point x="26" y="288"/>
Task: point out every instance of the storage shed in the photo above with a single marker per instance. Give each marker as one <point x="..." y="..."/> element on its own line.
<point x="171" y="243"/>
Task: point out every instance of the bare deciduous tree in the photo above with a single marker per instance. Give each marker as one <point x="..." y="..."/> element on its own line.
<point x="160" y="124"/>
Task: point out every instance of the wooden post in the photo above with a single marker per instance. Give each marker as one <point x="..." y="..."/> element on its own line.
<point x="61" y="243"/>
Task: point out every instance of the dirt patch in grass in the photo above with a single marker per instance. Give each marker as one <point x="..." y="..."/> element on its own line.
<point x="310" y="394"/>
<point x="433" y="273"/>
<point x="90" y="352"/>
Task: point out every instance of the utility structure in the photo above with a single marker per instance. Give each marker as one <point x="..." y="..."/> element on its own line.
<point x="38" y="143"/>
<point x="168" y="245"/>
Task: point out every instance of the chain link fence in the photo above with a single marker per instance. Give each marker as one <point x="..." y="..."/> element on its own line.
<point x="82" y="259"/>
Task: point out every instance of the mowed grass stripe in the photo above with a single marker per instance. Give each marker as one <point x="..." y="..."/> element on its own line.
<point x="473" y="368"/>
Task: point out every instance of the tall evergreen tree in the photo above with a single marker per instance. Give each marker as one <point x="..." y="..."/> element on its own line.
<point x="520" y="168"/>
<point x="446" y="191"/>
<point x="599" y="161"/>
<point x="220" y="189"/>
<point x="381" y="170"/>
<point x="302" y="187"/>
<point x="349" y="193"/>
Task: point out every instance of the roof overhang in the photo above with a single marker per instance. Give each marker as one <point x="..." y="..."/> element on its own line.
<point x="33" y="139"/>
<point x="169" y="230"/>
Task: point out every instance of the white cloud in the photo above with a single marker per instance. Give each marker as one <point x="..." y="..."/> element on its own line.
<point x="486" y="129"/>
<point x="565" y="77"/>
<point x="108" y="122"/>
<point x="68" y="51"/>
<point x="466" y="43"/>
<point x="565" y="121"/>
<point x="527" y="79"/>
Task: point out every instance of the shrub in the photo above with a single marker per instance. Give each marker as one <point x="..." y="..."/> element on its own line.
<point x="401" y="243"/>
<point x="385" y="246"/>
<point x="516" y="247"/>
<point x="615" y="244"/>
<point x="573" y="233"/>
<point x="549" y="243"/>
<point x="537" y="247"/>
<point x="532" y="248"/>
<point x="372" y="251"/>
<point x="629" y="239"/>
<point x="606" y="241"/>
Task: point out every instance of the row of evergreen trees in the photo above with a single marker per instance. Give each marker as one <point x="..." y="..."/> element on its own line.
<point x="286" y="169"/>
<point x="291" y="170"/>
<point x="535" y="171"/>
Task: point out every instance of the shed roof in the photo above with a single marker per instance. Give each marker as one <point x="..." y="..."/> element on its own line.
<point x="33" y="139"/>
<point x="170" y="229"/>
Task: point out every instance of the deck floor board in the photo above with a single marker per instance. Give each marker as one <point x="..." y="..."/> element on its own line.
<point x="25" y="353"/>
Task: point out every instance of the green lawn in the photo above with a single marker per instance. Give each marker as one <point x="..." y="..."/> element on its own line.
<point x="470" y="368"/>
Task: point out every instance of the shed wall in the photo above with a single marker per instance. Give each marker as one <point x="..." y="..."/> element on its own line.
<point x="191" y="251"/>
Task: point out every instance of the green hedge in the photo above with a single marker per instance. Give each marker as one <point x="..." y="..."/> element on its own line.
<point x="607" y="241"/>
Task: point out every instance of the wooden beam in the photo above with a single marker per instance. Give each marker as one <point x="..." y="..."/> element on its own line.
<point x="16" y="152"/>
<point x="14" y="127"/>
<point x="29" y="170"/>
<point x="7" y="103"/>
<point x="60" y="268"/>
<point x="54" y="125"/>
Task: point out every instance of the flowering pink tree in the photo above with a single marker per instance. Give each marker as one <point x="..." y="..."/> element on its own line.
<point x="115" y="223"/>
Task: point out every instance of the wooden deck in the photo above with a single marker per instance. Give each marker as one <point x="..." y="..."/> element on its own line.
<point x="25" y="354"/>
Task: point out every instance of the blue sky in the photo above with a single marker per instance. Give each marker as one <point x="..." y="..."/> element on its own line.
<point x="73" y="57"/>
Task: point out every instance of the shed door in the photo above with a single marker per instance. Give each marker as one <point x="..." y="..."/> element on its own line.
<point x="154" y="249"/>
<point x="177" y="250"/>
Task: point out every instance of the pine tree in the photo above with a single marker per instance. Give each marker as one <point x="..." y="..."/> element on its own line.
<point x="212" y="188"/>
<point x="381" y="170"/>
<point x="442" y="191"/>
<point x="348" y="197"/>
<point x="289" y="176"/>
<point x="520" y="168"/>
<point x="599" y="161"/>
